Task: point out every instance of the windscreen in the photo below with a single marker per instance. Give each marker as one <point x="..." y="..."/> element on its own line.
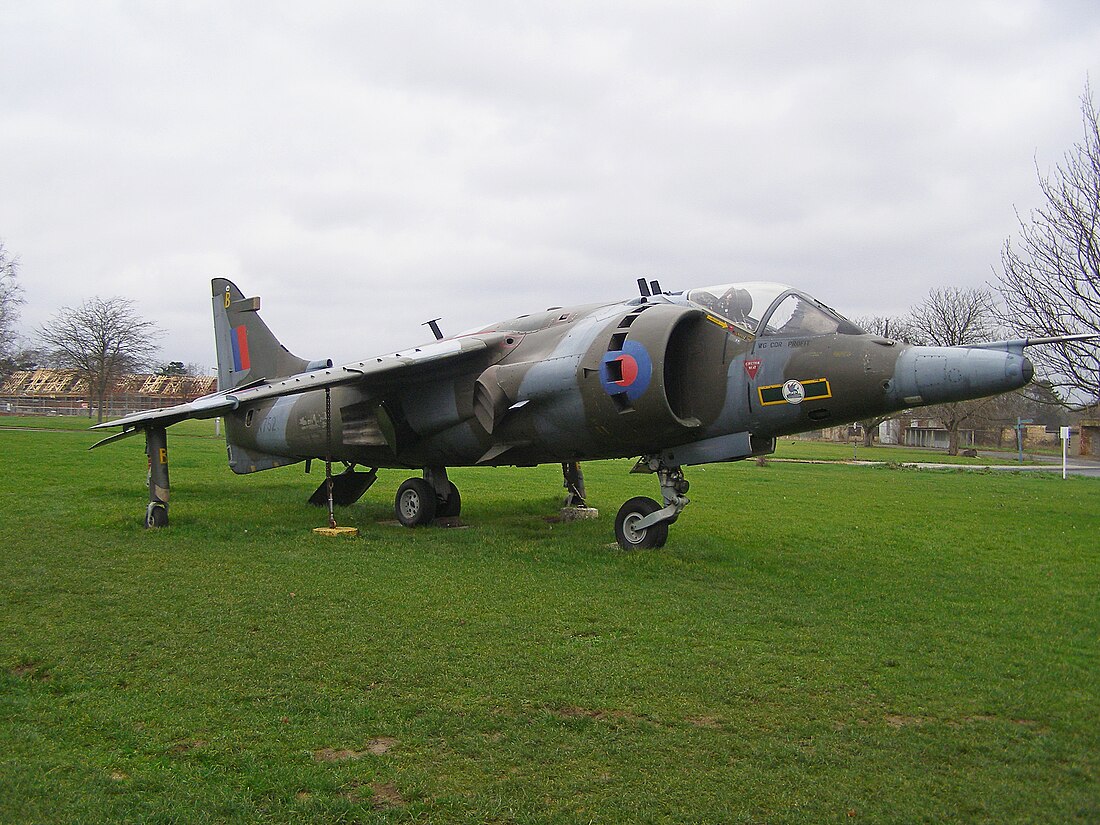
<point x="799" y="315"/>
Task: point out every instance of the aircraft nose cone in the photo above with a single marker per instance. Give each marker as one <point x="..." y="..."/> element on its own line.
<point x="1028" y="370"/>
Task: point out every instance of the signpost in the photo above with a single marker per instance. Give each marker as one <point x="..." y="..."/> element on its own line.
<point x="1065" y="442"/>
<point x="1020" y="435"/>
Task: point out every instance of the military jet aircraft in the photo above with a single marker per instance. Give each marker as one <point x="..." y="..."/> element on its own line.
<point x="678" y="378"/>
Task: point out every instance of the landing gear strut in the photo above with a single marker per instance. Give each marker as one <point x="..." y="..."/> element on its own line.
<point x="642" y="522"/>
<point x="574" y="485"/>
<point x="420" y="501"/>
<point x="156" y="448"/>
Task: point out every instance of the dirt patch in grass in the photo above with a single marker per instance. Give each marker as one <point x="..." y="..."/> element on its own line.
<point x="896" y="720"/>
<point x="32" y="671"/>
<point x="705" y="721"/>
<point x="336" y="754"/>
<point x="1030" y="724"/>
<point x="600" y="715"/>
<point x="180" y="748"/>
<point x="378" y="746"/>
<point x="375" y="747"/>
<point x="383" y="795"/>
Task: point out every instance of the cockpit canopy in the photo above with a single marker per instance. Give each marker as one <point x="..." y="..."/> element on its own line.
<point x="772" y="309"/>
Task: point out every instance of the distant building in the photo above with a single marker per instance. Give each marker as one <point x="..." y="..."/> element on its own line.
<point x="928" y="432"/>
<point x="62" y="392"/>
<point x="1088" y="437"/>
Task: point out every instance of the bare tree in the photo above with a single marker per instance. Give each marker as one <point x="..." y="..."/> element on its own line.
<point x="954" y="317"/>
<point x="103" y="339"/>
<point x="1050" y="278"/>
<point x="11" y="299"/>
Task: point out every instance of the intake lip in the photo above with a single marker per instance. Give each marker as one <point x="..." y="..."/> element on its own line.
<point x="1028" y="370"/>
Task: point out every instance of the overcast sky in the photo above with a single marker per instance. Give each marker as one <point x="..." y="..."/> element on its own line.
<point x="367" y="166"/>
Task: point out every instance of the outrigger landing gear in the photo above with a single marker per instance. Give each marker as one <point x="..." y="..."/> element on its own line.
<point x="642" y="522"/>
<point x="574" y="485"/>
<point x="422" y="500"/>
<point x="156" y="448"/>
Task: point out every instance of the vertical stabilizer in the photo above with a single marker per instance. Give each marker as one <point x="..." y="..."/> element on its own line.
<point x="247" y="349"/>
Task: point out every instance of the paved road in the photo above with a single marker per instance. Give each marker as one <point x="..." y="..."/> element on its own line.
<point x="1075" y="464"/>
<point x="1077" y="467"/>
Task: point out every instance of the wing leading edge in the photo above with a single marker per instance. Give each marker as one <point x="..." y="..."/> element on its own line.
<point x="404" y="365"/>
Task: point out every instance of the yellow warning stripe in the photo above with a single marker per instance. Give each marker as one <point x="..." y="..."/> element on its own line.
<point x="815" y="388"/>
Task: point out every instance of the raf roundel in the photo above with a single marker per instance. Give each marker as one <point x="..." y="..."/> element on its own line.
<point x="626" y="371"/>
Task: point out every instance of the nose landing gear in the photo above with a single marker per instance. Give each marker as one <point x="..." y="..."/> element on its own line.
<point x="642" y="523"/>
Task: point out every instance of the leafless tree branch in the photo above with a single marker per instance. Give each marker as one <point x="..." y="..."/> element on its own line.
<point x="1050" y="275"/>
<point x="103" y="339"/>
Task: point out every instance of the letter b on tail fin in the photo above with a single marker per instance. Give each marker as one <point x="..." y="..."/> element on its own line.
<point x="247" y="349"/>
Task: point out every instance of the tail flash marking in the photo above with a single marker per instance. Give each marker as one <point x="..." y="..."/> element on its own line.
<point x="240" y="349"/>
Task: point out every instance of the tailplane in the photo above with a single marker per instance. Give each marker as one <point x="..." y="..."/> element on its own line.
<point x="247" y="350"/>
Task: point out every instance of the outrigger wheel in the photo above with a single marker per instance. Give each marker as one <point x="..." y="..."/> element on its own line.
<point x="156" y="448"/>
<point x="156" y="514"/>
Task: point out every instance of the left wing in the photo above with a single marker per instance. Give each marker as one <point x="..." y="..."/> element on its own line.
<point x="406" y="363"/>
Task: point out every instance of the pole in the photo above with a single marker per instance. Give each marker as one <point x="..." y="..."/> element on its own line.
<point x="1064" y="432"/>
<point x="1020" y="438"/>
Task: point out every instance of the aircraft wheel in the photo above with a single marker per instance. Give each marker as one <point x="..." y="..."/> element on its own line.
<point x="452" y="506"/>
<point x="630" y="537"/>
<point x="156" y="515"/>
<point x="415" y="502"/>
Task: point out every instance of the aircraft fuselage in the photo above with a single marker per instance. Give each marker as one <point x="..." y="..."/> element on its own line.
<point x="602" y="381"/>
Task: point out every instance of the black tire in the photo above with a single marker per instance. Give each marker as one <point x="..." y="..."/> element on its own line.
<point x="452" y="506"/>
<point x="156" y="515"/>
<point x="415" y="503"/>
<point x="647" y="538"/>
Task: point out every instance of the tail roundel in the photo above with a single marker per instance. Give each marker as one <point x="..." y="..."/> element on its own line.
<point x="247" y="349"/>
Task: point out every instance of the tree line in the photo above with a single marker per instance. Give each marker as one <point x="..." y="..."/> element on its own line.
<point x="1048" y="284"/>
<point x="103" y="339"/>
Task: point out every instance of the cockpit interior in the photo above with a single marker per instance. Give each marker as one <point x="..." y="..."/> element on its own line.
<point x="771" y="309"/>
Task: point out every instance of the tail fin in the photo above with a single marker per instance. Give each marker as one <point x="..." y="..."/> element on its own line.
<point x="247" y="349"/>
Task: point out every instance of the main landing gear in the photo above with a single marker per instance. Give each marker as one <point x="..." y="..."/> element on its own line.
<point x="420" y="501"/>
<point x="642" y="523"/>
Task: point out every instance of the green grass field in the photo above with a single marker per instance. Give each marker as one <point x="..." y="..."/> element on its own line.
<point x="816" y="643"/>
